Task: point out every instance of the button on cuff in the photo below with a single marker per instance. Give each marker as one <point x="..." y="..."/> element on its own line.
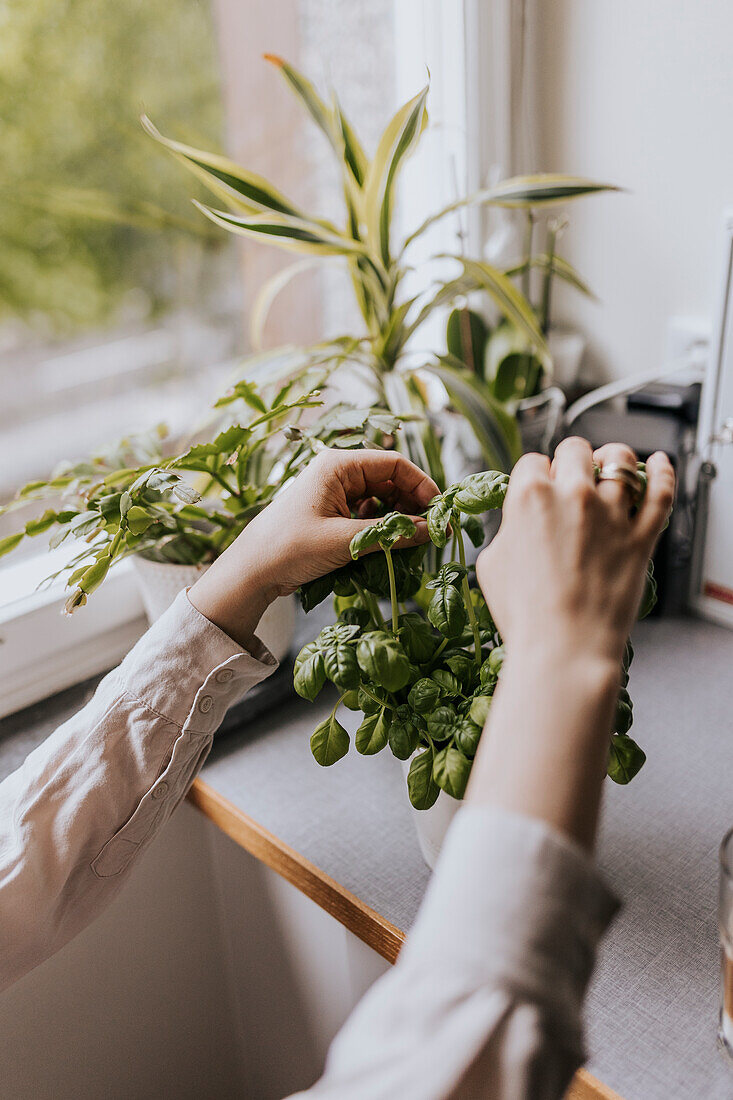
<point x="205" y="704"/>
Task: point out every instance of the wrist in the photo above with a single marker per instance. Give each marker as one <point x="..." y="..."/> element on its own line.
<point x="578" y="673"/>
<point x="233" y="599"/>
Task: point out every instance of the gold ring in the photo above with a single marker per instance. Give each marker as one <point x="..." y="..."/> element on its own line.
<point x="616" y="471"/>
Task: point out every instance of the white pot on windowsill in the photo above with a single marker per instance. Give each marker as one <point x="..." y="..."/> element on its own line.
<point x="433" y="824"/>
<point x="160" y="583"/>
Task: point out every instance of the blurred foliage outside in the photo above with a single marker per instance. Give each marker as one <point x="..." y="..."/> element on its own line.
<point x="93" y="219"/>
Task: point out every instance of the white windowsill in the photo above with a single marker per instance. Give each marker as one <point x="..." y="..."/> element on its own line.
<point x="43" y="651"/>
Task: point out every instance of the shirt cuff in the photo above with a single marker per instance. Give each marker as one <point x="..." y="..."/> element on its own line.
<point x="189" y="671"/>
<point x="526" y="908"/>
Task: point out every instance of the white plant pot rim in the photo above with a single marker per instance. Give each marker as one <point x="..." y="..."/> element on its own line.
<point x="160" y="583"/>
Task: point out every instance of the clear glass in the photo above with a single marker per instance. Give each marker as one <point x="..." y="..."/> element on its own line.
<point x="725" y="924"/>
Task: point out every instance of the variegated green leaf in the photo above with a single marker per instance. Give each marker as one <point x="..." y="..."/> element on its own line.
<point x="521" y="191"/>
<point x="247" y="191"/>
<point x="398" y="141"/>
<point x="560" y="267"/>
<point x="291" y="233"/>
<point x="495" y="430"/>
<point x="512" y="303"/>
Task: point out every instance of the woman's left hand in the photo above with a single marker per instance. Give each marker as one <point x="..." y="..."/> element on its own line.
<point x="305" y="532"/>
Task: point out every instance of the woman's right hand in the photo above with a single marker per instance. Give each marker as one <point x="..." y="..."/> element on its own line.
<point x="566" y="570"/>
<point x="563" y="579"/>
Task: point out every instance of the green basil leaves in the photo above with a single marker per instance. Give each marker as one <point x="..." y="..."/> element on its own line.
<point x="423" y="676"/>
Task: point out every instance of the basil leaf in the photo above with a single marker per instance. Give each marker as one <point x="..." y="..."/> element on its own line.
<point x="649" y="597"/>
<point x="421" y="787"/>
<point x="423" y="695"/>
<point x="463" y="667"/>
<point x="496" y="659"/>
<point x="339" y="662"/>
<point x="625" y="759"/>
<point x="371" y="736"/>
<point x="393" y="527"/>
<point x="336" y="633"/>
<point x="309" y="674"/>
<point x="624" y="712"/>
<point x="382" y="658"/>
<point x="416" y="637"/>
<point x="449" y="574"/>
<point x="447" y="682"/>
<point x="351" y="700"/>
<point x="314" y="592"/>
<point x="480" y="492"/>
<point x="368" y="536"/>
<point x="447" y="612"/>
<point x="474" y="528"/>
<point x="479" y="709"/>
<point x="355" y="616"/>
<point x="403" y="737"/>
<point x="468" y="734"/>
<point x="442" y="723"/>
<point x="367" y="704"/>
<point x="329" y="742"/>
<point x="451" y="770"/>
<point x="438" y="520"/>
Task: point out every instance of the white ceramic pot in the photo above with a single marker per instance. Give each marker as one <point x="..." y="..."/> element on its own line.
<point x="432" y="825"/>
<point x="160" y="583"/>
<point x="567" y="349"/>
<point x="539" y="419"/>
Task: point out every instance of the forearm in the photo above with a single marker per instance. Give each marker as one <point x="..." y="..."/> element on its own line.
<point x="545" y="745"/>
<point x="87" y="802"/>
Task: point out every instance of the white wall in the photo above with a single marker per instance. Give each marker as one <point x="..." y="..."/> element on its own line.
<point x="139" y="1005"/>
<point x="641" y="94"/>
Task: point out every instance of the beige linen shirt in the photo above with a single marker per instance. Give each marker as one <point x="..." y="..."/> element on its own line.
<point x="486" y="998"/>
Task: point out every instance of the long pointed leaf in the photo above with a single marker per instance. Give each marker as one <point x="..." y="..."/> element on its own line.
<point x="269" y="292"/>
<point x="521" y="191"/>
<point x="560" y="267"/>
<point x="258" y="193"/>
<point x="288" y="232"/>
<point x="496" y="431"/>
<point x="512" y="303"/>
<point x="398" y="141"/>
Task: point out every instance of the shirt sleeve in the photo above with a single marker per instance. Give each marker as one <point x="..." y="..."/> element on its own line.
<point x="486" y="998"/>
<point x="86" y="803"/>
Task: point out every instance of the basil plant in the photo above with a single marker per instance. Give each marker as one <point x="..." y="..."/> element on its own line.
<point x="423" y="673"/>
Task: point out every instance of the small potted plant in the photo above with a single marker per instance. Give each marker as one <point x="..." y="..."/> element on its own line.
<point x="377" y="262"/>
<point x="423" y="673"/>
<point x="174" y="513"/>
<point x="502" y="360"/>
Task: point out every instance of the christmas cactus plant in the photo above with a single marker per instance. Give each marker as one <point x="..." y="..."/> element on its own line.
<point x="423" y="673"/>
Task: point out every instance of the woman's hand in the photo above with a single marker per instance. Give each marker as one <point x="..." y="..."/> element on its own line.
<point x="305" y="532"/>
<point x="563" y="579"/>
<point x="566" y="570"/>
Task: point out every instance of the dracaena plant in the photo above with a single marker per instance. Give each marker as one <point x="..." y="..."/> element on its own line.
<point x="187" y="507"/>
<point x="364" y="238"/>
<point x="424" y="672"/>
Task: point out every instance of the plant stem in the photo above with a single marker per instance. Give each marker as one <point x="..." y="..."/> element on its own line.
<point x="438" y="651"/>
<point x="547" y="284"/>
<point x="223" y="482"/>
<point x="467" y="597"/>
<point x="392" y="591"/>
<point x="372" y="695"/>
<point x="338" y="703"/>
<point x="527" y="273"/>
<point x="371" y="605"/>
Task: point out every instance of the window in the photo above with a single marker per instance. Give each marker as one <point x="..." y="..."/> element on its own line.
<point x="121" y="307"/>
